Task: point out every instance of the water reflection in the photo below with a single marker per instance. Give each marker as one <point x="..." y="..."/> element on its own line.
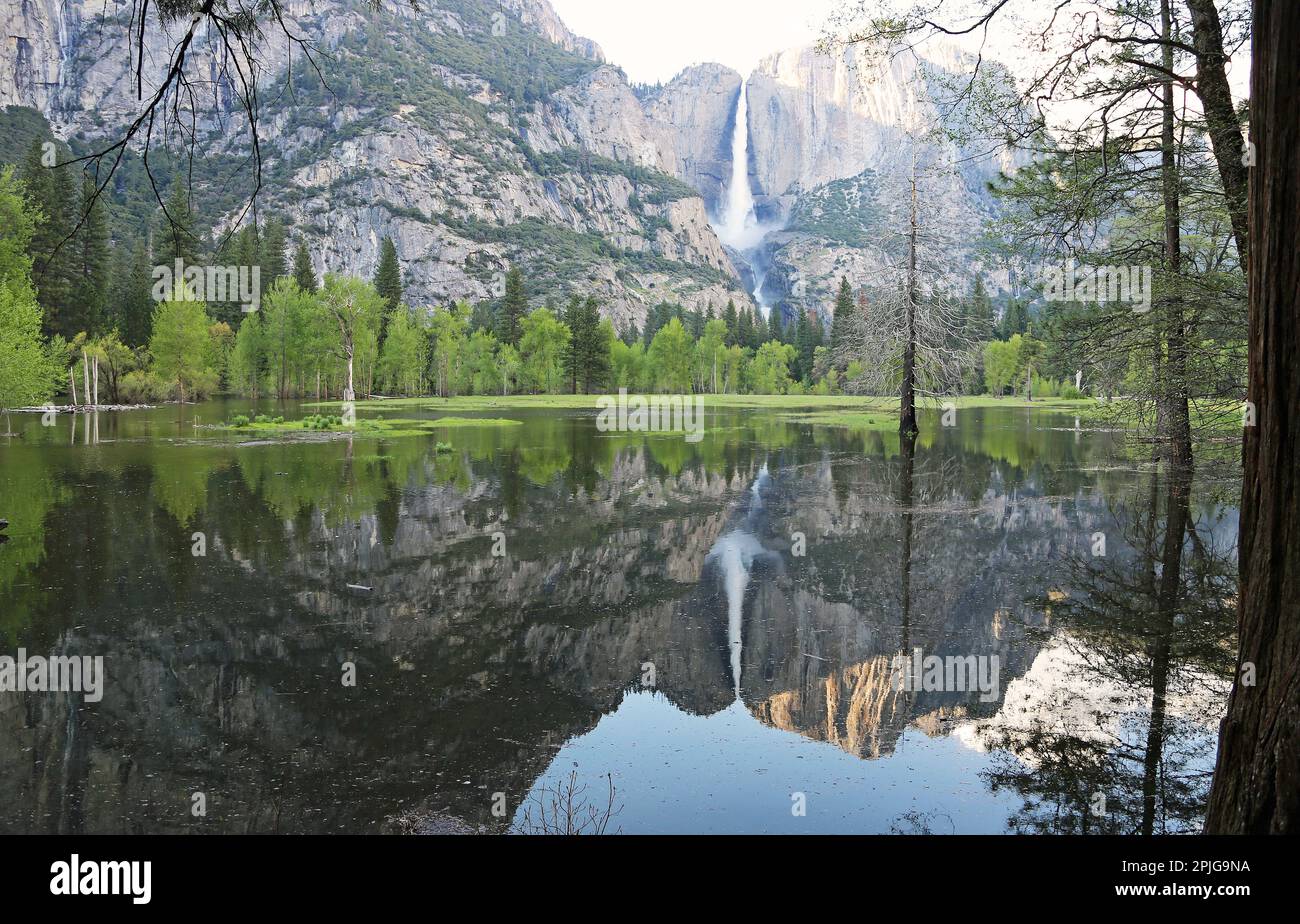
<point x="480" y="674"/>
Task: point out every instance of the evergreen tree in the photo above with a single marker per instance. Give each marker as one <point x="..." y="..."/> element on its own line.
<point x="273" y="262"/>
<point x="1015" y="319"/>
<point x="89" y="253"/>
<point x="761" y="334"/>
<point x="131" y="300"/>
<point x="587" y="355"/>
<point x="745" y="328"/>
<point x="733" y="323"/>
<point x="175" y="236"/>
<point x="843" y="311"/>
<point x="981" y="312"/>
<point x="695" y="323"/>
<point x="388" y="275"/>
<point x="808" y="336"/>
<point x="303" y="273"/>
<point x="47" y="194"/>
<point x="512" y="309"/>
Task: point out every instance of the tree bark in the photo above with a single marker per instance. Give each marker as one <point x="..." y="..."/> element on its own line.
<point x="907" y="412"/>
<point x="1221" y="116"/>
<point x="1173" y="384"/>
<point x="1256" y="785"/>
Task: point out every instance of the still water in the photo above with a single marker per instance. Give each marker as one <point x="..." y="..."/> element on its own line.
<point x="681" y="637"/>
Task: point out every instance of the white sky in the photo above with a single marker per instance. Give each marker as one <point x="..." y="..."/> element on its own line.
<point x="654" y="41"/>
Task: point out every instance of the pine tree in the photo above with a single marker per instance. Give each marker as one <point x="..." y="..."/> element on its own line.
<point x="303" y="273"/>
<point x="512" y="309"/>
<point x="175" y="236"/>
<point x="130" y="308"/>
<point x="90" y="265"/>
<point x="843" y="311"/>
<point x="47" y="193"/>
<point x="273" y="263"/>
<point x="574" y="318"/>
<point x="804" y="346"/>
<point x="733" y="322"/>
<point x="388" y="275"/>
<point x="587" y="356"/>
<point x="761" y="335"/>
<point x="745" y="328"/>
<point x="981" y="312"/>
<point x="1015" y="319"/>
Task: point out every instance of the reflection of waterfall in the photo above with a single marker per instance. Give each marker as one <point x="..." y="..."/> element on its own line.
<point x="734" y="554"/>
<point x="739" y="227"/>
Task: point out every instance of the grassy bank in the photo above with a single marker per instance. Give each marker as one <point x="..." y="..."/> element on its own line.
<point x="775" y="402"/>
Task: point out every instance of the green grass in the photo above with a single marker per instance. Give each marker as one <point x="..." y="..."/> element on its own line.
<point x="364" y="427"/>
<point x="472" y="422"/>
<point x="816" y="402"/>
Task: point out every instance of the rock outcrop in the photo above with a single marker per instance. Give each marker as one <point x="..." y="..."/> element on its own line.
<point x="478" y="135"/>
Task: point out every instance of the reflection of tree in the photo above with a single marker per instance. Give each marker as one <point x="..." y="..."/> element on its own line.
<point x="1154" y="619"/>
<point x="27" y="494"/>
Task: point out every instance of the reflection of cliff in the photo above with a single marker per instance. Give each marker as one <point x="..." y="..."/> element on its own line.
<point x="224" y="672"/>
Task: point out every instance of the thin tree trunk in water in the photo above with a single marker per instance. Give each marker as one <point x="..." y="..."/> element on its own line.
<point x="1173" y="386"/>
<point x="72" y="381"/>
<point x="1221" y="116"/>
<point x="905" y="502"/>
<point x="907" y="415"/>
<point x="1177" y="514"/>
<point x="85" y="376"/>
<point x="1257" y="779"/>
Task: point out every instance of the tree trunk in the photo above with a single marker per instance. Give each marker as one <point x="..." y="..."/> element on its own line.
<point x="1221" y="116"/>
<point x="907" y="412"/>
<point x="1173" y="384"/>
<point x="1257" y="779"/>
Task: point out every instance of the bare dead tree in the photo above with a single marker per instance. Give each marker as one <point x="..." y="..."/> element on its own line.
<point x="914" y="339"/>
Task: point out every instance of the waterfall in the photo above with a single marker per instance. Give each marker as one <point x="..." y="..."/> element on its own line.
<point x="738" y="220"/>
<point x="65" y="53"/>
<point x="739" y="227"/>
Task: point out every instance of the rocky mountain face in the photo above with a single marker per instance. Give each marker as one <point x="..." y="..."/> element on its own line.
<point x="697" y="109"/>
<point x="478" y="134"/>
<point x="834" y="140"/>
<point x="482" y="134"/>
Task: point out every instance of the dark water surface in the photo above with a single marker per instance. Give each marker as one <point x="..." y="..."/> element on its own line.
<point x="650" y="625"/>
